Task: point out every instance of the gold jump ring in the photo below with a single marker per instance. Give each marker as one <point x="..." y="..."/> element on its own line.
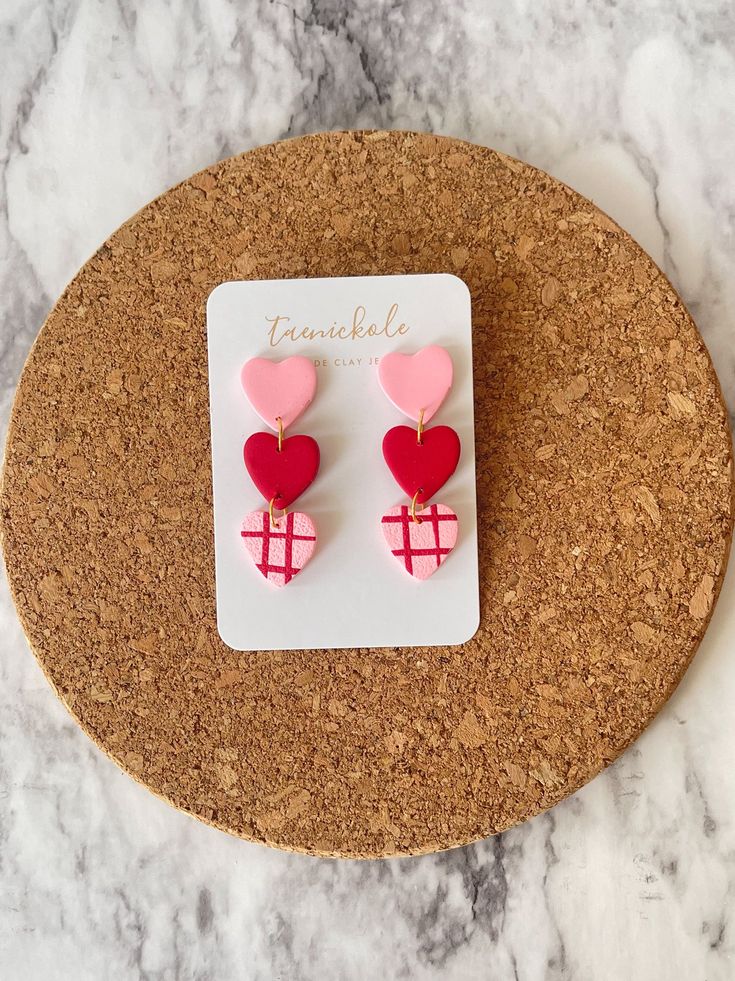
<point x="280" y="433"/>
<point x="274" y="523"/>
<point x="420" y="428"/>
<point x="413" y="507"/>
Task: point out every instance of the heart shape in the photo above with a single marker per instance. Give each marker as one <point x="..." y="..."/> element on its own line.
<point x="279" y="552"/>
<point x="281" y="476"/>
<point x="416" y="382"/>
<point x="424" y="466"/>
<point x="279" y="389"/>
<point x="420" y="546"/>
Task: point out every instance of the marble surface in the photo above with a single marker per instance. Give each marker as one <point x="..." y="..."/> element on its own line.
<point x="104" y="105"/>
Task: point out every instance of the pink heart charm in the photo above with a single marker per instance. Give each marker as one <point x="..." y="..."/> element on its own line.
<point x="279" y="388"/>
<point x="279" y="552"/>
<point x="418" y="381"/>
<point x="420" y="546"/>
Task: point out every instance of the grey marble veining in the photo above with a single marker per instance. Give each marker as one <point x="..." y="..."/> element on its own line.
<point x="104" y="105"/>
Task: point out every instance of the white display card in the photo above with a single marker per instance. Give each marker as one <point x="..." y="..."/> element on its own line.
<point x="354" y="592"/>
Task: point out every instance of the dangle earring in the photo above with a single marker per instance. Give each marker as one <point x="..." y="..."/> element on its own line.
<point x="280" y="466"/>
<point x="421" y="460"/>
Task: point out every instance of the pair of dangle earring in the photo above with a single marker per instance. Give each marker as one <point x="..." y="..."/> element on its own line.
<point x="421" y="460"/>
<point x="419" y="534"/>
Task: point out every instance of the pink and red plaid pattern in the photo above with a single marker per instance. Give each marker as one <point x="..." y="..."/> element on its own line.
<point x="422" y="546"/>
<point x="279" y="552"/>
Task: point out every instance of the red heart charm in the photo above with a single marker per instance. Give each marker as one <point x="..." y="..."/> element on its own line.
<point x="281" y="476"/>
<point x="424" y="466"/>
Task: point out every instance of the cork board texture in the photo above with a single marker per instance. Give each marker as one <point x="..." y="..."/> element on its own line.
<point x="604" y="497"/>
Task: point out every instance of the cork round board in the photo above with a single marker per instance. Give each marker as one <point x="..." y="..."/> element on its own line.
<point x="604" y="503"/>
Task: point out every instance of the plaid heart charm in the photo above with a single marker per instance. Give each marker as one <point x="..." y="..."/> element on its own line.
<point x="281" y="551"/>
<point x="420" y="546"/>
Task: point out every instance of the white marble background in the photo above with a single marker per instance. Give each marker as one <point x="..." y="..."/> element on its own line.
<point x="102" y="106"/>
